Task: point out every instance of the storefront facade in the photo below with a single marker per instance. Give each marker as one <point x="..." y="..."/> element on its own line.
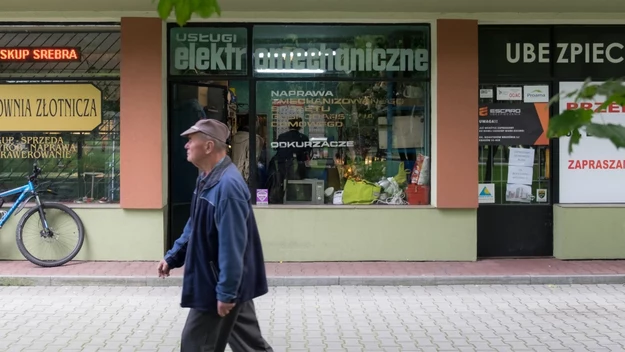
<point x="573" y="201"/>
<point x="388" y="94"/>
<point x="61" y="107"/>
<point x="326" y="112"/>
<point x="369" y="117"/>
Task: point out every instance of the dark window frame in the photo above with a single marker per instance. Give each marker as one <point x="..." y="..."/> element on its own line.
<point x="252" y="79"/>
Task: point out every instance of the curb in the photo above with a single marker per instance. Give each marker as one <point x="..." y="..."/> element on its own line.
<point x="151" y="281"/>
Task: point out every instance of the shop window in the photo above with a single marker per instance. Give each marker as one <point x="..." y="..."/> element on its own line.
<point x="80" y="161"/>
<point x="343" y="142"/>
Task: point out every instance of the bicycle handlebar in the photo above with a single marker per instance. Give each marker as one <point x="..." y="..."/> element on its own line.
<point x="36" y="172"/>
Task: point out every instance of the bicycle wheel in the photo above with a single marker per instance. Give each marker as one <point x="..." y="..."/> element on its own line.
<point x="53" y="237"/>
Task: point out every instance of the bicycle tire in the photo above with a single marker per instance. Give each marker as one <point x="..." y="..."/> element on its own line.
<point x="49" y="263"/>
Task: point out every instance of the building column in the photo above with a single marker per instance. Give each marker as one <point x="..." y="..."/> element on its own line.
<point x="142" y="122"/>
<point x="457" y="123"/>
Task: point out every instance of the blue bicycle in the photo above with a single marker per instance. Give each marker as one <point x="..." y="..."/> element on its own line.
<point x="48" y="230"/>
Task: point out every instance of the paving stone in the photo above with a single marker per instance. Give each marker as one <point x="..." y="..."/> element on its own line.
<point x="322" y="319"/>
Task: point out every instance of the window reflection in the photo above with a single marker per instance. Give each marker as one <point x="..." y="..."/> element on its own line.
<point x="344" y="142"/>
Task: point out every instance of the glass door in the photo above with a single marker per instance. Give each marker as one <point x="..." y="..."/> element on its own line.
<point x="189" y="102"/>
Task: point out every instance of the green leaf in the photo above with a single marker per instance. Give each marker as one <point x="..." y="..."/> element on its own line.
<point x="611" y="87"/>
<point x="568" y="121"/>
<point x="575" y="137"/>
<point x="554" y="99"/>
<point x="206" y="8"/>
<point x="612" y="99"/>
<point x="183" y="12"/>
<point x="615" y="133"/>
<point x="217" y="7"/>
<point x="164" y="8"/>
<point x="587" y="92"/>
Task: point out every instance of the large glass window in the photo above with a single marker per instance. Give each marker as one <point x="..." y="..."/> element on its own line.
<point x="79" y="153"/>
<point x="343" y="113"/>
<point x="337" y="114"/>
<point x="344" y="142"/>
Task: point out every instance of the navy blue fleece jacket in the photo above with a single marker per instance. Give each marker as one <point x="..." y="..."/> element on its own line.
<point x="220" y="246"/>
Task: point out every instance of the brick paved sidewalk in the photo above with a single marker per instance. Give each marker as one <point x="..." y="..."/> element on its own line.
<point x="490" y="271"/>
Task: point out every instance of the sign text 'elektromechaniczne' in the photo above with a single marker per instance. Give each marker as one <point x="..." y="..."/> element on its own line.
<point x="223" y="52"/>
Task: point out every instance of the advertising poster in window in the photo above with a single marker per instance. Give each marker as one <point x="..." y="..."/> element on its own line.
<point x="595" y="170"/>
<point x="513" y="123"/>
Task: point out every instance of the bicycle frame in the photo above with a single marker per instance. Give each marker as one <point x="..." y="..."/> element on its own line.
<point x="27" y="192"/>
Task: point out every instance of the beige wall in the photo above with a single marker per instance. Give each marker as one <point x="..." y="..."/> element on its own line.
<point x="290" y="234"/>
<point x="589" y="232"/>
<point x="367" y="233"/>
<point x="110" y="234"/>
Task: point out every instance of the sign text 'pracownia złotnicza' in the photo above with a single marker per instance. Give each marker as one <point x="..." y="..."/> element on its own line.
<point x="50" y="107"/>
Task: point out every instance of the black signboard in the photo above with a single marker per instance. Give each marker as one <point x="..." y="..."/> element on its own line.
<point x="513" y="123"/>
<point x="510" y="51"/>
<point x="561" y="52"/>
<point x="589" y="51"/>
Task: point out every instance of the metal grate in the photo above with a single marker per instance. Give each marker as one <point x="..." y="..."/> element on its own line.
<point x="493" y="162"/>
<point x="92" y="172"/>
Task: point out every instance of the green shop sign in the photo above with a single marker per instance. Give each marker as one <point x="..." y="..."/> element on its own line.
<point x="223" y="51"/>
<point x="201" y="51"/>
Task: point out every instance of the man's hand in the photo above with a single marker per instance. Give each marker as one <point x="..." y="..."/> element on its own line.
<point x="224" y="308"/>
<point x="163" y="269"/>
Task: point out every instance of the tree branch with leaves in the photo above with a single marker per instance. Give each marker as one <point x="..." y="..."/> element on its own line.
<point x="184" y="9"/>
<point x="584" y="118"/>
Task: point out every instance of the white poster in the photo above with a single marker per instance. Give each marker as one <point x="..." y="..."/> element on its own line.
<point x="486" y="93"/>
<point x="509" y="93"/>
<point x="521" y="157"/>
<point x="595" y="171"/>
<point x="536" y="94"/>
<point x="519" y="193"/>
<point x="520" y="174"/>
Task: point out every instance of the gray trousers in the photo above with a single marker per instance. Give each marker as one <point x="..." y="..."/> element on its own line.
<point x="208" y="332"/>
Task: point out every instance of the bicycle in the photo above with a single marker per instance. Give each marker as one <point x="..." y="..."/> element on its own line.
<point x="46" y="232"/>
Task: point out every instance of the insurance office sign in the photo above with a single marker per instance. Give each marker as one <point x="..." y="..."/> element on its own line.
<point x="50" y="107"/>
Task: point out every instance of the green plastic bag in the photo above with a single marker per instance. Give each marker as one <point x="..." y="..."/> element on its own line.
<point x="360" y="192"/>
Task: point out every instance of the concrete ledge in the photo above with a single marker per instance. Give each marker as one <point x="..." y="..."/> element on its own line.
<point x="16" y="280"/>
<point x="578" y="279"/>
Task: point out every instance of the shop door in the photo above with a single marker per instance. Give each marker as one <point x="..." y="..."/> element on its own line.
<point x="188" y="103"/>
<point x="515" y="214"/>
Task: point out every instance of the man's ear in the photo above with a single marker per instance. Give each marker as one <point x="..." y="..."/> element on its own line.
<point x="209" y="147"/>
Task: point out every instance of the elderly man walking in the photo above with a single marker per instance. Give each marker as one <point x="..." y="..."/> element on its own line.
<point x="220" y="249"/>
